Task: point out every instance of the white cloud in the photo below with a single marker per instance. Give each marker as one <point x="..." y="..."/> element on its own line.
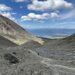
<point x="8" y="15"/>
<point x="5" y="11"/>
<point x="20" y="0"/>
<point x="49" y="4"/>
<point x="3" y="7"/>
<point x="54" y="15"/>
<point x="33" y="16"/>
<point x="44" y="16"/>
<point x="25" y="18"/>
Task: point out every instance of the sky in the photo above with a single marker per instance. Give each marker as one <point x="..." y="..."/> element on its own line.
<point x="35" y="14"/>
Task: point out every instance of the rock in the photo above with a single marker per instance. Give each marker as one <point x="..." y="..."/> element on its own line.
<point x="12" y="59"/>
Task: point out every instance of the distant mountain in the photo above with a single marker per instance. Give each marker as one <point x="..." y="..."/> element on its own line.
<point x="13" y="32"/>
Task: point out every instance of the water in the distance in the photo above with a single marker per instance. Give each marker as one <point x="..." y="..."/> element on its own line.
<point x="52" y="32"/>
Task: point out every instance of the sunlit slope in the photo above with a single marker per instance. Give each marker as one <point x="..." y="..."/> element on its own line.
<point x="15" y="33"/>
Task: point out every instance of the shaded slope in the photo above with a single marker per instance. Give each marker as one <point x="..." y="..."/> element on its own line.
<point x="31" y="45"/>
<point x="63" y="49"/>
<point x="21" y="61"/>
<point x="6" y="43"/>
<point x="29" y="63"/>
<point x="14" y="32"/>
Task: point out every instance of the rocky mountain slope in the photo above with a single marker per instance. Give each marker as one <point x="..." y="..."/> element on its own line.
<point x="21" y="61"/>
<point x="31" y="45"/>
<point x="15" y="33"/>
<point x="63" y="49"/>
<point x="6" y="43"/>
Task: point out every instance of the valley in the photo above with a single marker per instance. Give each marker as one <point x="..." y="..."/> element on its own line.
<point x="21" y="53"/>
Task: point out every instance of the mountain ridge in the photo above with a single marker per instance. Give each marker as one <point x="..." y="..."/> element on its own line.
<point x="15" y="33"/>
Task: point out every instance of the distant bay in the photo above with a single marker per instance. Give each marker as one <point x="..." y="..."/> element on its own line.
<point x="49" y="33"/>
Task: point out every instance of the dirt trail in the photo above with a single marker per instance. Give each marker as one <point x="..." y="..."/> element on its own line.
<point x="58" y="69"/>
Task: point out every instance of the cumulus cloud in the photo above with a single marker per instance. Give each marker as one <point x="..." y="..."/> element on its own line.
<point x="44" y="16"/>
<point x="4" y="7"/>
<point x="8" y="15"/>
<point x="54" y="15"/>
<point x="49" y="4"/>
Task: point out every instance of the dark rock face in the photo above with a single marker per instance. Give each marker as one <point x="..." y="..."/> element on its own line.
<point x="6" y="43"/>
<point x="12" y="59"/>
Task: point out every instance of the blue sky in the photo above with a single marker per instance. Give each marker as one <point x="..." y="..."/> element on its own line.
<point x="33" y="14"/>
